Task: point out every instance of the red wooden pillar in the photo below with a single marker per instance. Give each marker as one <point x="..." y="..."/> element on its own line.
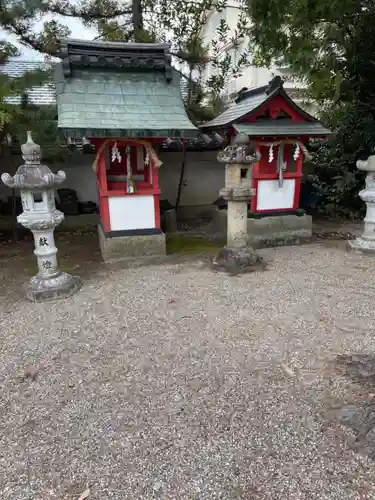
<point x="103" y="193"/>
<point x="155" y="182"/>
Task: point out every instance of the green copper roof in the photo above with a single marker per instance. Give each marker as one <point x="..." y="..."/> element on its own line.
<point x="106" y="103"/>
<point x="282" y="128"/>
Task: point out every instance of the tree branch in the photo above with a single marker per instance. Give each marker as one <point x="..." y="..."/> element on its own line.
<point x="87" y="14"/>
<point x="30" y="40"/>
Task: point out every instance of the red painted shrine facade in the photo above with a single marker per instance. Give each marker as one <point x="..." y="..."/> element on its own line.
<point x="128" y="184"/>
<point x="280" y="130"/>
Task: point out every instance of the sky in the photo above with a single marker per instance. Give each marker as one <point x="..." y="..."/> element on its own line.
<point x="77" y="31"/>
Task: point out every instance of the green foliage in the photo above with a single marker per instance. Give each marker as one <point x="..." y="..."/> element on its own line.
<point x="181" y="22"/>
<point x="200" y="105"/>
<point x="178" y="21"/>
<point x="329" y="46"/>
<point x="16" y="119"/>
<point x="321" y="41"/>
<point x="335" y="175"/>
<point x="13" y="87"/>
<point x="43" y="123"/>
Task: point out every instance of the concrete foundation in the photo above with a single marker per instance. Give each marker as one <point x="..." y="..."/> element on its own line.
<point x="362" y="245"/>
<point x="131" y="248"/>
<point x="270" y="231"/>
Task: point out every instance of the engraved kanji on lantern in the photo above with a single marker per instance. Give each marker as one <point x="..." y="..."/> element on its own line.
<point x="36" y="183"/>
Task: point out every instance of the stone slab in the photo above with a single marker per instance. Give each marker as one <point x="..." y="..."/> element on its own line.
<point x="236" y="261"/>
<point x="131" y="248"/>
<point x="270" y="231"/>
<point x="360" y="245"/>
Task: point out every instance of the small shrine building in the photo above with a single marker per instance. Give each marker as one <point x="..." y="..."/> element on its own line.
<point x="280" y="131"/>
<point x="125" y="99"/>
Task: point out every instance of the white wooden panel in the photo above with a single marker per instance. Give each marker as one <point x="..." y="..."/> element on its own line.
<point x="272" y="197"/>
<point x="131" y="212"/>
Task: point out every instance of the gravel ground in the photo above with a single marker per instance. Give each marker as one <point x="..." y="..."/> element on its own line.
<point x="173" y="382"/>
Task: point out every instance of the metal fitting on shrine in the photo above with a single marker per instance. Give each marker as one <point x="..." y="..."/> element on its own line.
<point x="36" y="184"/>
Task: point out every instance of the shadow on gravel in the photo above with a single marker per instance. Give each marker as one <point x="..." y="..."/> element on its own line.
<point x="360" y="417"/>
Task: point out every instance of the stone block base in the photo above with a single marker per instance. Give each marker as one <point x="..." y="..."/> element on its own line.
<point x="362" y="245"/>
<point x="238" y="261"/>
<point x="42" y="289"/>
<point x="131" y="248"/>
<point x="272" y="231"/>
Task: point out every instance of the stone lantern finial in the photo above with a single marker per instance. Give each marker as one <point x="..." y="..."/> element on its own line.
<point x="36" y="184"/>
<point x="33" y="174"/>
<point x="31" y="152"/>
<point x="242" y="139"/>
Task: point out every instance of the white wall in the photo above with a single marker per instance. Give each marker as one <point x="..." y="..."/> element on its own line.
<point x="79" y="172"/>
<point x="204" y="176"/>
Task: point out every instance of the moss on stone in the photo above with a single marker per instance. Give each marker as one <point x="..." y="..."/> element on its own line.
<point x="189" y="244"/>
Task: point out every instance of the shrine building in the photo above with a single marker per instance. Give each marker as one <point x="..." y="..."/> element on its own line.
<point x="124" y="99"/>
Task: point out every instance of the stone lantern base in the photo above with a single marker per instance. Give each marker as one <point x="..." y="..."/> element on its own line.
<point x="59" y="286"/>
<point x="238" y="261"/>
<point x="363" y="245"/>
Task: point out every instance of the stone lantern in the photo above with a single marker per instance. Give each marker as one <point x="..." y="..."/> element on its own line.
<point x="238" y="256"/>
<point x="36" y="183"/>
<point x="366" y="242"/>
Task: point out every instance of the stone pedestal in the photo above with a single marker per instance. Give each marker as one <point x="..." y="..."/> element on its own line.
<point x="50" y="283"/>
<point x="144" y="249"/>
<point x="36" y="182"/>
<point x="366" y="242"/>
<point x="270" y="231"/>
<point x="237" y="256"/>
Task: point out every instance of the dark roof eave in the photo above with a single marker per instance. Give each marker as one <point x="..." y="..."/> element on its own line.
<point x="129" y="133"/>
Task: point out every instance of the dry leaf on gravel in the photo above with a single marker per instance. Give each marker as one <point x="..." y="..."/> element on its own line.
<point x="85" y="494"/>
<point x="286" y="369"/>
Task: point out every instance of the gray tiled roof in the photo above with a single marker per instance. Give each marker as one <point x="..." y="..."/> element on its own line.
<point x="237" y="111"/>
<point x="40" y="95"/>
<point x="283" y="127"/>
<point x="251" y="100"/>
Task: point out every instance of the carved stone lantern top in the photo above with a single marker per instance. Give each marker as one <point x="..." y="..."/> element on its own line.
<point x="241" y="152"/>
<point x="368" y="165"/>
<point x="32" y="175"/>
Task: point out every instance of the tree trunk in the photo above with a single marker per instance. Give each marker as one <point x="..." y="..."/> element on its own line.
<point x="137" y="16"/>
<point x="181" y="181"/>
